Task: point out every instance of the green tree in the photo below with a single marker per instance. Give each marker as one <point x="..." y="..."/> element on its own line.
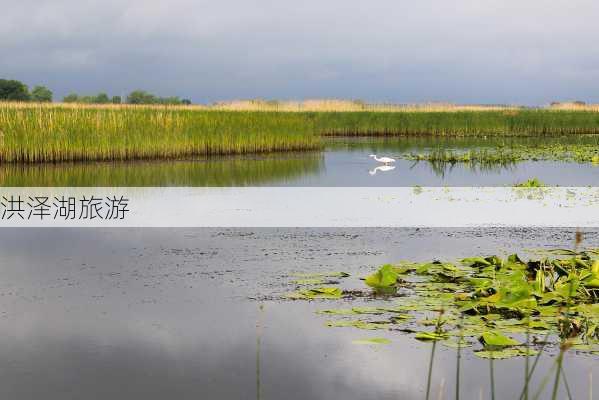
<point x="101" y="98"/>
<point x="13" y="90"/>
<point x="41" y="94"/>
<point x="169" y="100"/>
<point x="141" y="97"/>
<point x="116" y="100"/>
<point x="187" y="102"/>
<point x="71" y="98"/>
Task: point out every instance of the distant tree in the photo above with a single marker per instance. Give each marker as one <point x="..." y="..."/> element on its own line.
<point x="71" y="98"/>
<point x="141" y="97"/>
<point x="187" y="102"/>
<point x="87" y="99"/>
<point x="41" y="94"/>
<point x="173" y="100"/>
<point x="116" y="100"/>
<point x="579" y="103"/>
<point x="101" y="98"/>
<point x="13" y="90"/>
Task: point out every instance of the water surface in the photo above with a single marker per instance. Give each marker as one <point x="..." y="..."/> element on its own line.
<point x="173" y="313"/>
<point x="343" y="162"/>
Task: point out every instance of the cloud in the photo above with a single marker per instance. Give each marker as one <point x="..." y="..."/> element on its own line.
<point x="388" y="50"/>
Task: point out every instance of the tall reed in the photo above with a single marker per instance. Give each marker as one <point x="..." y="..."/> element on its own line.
<point x="38" y="134"/>
<point x="52" y="133"/>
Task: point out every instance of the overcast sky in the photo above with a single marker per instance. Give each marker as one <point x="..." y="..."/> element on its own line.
<point x="466" y="51"/>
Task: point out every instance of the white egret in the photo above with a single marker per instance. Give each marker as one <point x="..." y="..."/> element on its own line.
<point x="385" y="160"/>
<point x="382" y="168"/>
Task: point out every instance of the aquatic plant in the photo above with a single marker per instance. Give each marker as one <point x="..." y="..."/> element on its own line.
<point x="37" y="133"/>
<point x="530" y="183"/>
<point x="509" y="155"/>
<point x="523" y="122"/>
<point x="40" y="133"/>
<point x="487" y="300"/>
<point x="384" y="280"/>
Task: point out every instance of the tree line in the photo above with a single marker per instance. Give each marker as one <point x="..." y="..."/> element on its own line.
<point x="13" y="90"/>
<point x="135" y="97"/>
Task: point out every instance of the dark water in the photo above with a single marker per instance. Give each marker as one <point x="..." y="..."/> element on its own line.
<point x="172" y="313"/>
<point x="344" y="162"/>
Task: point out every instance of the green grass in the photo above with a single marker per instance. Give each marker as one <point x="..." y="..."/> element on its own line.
<point x="40" y="134"/>
<point x="531" y="122"/>
<point x="37" y="133"/>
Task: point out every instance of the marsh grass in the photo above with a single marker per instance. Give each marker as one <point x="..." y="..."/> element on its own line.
<point x="40" y="134"/>
<point x="527" y="122"/>
<point x="58" y="132"/>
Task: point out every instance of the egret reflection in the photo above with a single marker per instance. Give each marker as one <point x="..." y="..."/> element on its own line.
<point x="381" y="168"/>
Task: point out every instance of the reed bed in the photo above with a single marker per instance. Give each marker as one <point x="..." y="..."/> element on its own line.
<point x="41" y="134"/>
<point x="57" y="132"/>
<point x="460" y="123"/>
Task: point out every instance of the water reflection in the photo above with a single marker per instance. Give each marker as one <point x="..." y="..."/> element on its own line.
<point x="343" y="162"/>
<point x="381" y="168"/>
<point x="444" y="168"/>
<point x="218" y="171"/>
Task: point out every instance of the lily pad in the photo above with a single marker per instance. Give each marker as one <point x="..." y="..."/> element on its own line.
<point x="359" y="324"/>
<point x="430" y="336"/>
<point x="496" y="339"/>
<point x="318" y="293"/>
<point x="372" y="341"/>
<point x="384" y="279"/>
<point x="505" y="353"/>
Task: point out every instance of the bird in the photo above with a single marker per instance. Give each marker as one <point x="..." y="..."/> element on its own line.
<point x="382" y="168"/>
<point x="385" y="160"/>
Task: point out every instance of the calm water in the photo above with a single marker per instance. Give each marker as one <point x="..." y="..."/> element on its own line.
<point x="344" y="162"/>
<point x="171" y="313"/>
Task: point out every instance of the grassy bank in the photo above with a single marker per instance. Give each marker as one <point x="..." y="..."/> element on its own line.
<point x="39" y="133"/>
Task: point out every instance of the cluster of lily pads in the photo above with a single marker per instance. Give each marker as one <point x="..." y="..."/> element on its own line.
<point x="504" y="307"/>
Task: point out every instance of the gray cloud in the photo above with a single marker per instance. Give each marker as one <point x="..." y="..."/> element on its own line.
<point x="387" y="50"/>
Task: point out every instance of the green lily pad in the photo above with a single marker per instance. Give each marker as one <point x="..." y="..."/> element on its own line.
<point x="384" y="279"/>
<point x="505" y="353"/>
<point x="318" y="293"/>
<point x="496" y="339"/>
<point x="372" y="341"/>
<point x="359" y="324"/>
<point x="430" y="336"/>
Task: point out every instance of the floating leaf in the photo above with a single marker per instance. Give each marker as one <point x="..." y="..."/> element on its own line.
<point x="359" y="324"/>
<point x="318" y="293"/>
<point x="428" y="336"/>
<point x="311" y="281"/>
<point x="476" y="262"/>
<point x="496" y="339"/>
<point x="505" y="353"/>
<point x="384" y="279"/>
<point x="341" y="311"/>
<point x="321" y="275"/>
<point x="372" y="341"/>
<point x="456" y="344"/>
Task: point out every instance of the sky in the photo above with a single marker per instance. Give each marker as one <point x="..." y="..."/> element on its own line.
<point x="464" y="51"/>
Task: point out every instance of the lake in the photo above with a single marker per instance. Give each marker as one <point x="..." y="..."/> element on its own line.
<point x="343" y="162"/>
<point x="200" y="313"/>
